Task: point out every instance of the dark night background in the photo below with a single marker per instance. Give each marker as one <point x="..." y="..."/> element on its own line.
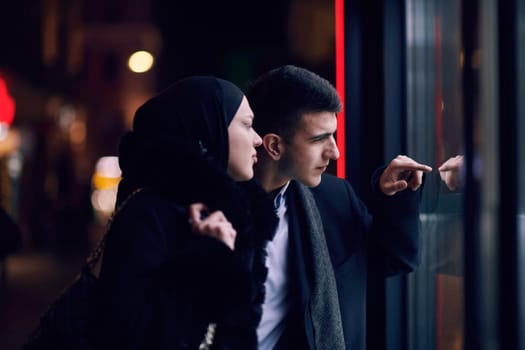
<point x="64" y="63"/>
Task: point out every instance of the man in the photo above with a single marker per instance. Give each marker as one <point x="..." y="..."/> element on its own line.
<point x="318" y="259"/>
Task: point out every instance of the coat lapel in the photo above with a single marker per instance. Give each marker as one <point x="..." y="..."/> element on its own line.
<point x="299" y="264"/>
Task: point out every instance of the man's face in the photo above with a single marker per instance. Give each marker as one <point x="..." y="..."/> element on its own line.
<point x="307" y="155"/>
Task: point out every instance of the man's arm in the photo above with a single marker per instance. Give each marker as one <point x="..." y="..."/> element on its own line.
<point x="396" y="246"/>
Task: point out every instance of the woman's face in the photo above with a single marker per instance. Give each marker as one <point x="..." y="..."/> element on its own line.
<point x="242" y="142"/>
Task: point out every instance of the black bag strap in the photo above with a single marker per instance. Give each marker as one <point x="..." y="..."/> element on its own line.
<point x="95" y="255"/>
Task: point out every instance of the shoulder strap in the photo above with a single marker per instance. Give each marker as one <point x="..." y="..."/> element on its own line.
<point x="95" y="255"/>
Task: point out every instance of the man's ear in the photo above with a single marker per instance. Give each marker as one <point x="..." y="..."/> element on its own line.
<point x="273" y="145"/>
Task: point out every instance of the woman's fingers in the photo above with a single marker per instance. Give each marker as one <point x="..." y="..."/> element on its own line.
<point x="214" y="225"/>
<point x="196" y="211"/>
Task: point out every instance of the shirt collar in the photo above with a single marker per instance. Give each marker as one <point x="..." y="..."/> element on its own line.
<point x="280" y="197"/>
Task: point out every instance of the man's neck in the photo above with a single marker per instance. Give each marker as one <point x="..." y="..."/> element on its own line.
<point x="269" y="176"/>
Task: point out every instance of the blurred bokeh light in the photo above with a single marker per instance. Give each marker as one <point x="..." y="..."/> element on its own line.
<point x="140" y="61"/>
<point x="105" y="183"/>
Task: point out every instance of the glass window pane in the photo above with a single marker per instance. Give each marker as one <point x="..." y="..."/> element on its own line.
<point x="521" y="156"/>
<point x="435" y="136"/>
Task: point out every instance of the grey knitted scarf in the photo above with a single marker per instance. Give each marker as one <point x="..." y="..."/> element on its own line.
<point x="324" y="302"/>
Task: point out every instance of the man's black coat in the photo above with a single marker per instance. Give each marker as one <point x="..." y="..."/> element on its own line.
<point x="387" y="236"/>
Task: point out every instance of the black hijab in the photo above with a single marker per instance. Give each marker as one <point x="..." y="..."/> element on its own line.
<point x="179" y="149"/>
<point x="187" y="122"/>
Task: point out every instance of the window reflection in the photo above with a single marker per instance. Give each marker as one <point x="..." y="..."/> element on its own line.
<point x="438" y="114"/>
<point x="435" y="136"/>
<point x="521" y="155"/>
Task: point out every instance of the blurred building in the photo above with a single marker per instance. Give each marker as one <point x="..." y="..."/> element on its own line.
<point x="67" y="65"/>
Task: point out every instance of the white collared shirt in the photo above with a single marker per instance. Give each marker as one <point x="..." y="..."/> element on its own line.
<point x="276" y="302"/>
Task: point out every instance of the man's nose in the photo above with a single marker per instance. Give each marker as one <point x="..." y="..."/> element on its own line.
<point x="333" y="151"/>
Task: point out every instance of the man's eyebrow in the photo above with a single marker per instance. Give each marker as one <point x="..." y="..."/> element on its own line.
<point x="321" y="136"/>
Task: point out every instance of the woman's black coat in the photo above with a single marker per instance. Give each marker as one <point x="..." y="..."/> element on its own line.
<point x="161" y="285"/>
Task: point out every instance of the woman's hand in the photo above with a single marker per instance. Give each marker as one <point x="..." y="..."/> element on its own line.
<point x="213" y="225"/>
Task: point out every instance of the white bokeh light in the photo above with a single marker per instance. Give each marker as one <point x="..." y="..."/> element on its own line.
<point x="140" y="61"/>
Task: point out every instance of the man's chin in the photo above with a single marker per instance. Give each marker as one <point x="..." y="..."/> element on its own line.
<point x="312" y="182"/>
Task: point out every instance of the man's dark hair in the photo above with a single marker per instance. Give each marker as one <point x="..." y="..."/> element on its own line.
<point x="280" y="97"/>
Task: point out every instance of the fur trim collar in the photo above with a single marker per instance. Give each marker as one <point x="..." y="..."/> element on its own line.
<point x="190" y="178"/>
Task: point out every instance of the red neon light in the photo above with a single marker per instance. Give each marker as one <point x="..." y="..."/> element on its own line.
<point x="7" y="105"/>
<point x="340" y="82"/>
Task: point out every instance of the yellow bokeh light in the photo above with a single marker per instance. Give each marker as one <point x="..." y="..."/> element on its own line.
<point x="104" y="183"/>
<point x="140" y="61"/>
<point x="107" y="174"/>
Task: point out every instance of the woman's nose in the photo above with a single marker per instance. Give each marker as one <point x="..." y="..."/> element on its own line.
<point x="257" y="141"/>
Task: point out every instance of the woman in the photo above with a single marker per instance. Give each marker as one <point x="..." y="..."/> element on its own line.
<point x="188" y="249"/>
